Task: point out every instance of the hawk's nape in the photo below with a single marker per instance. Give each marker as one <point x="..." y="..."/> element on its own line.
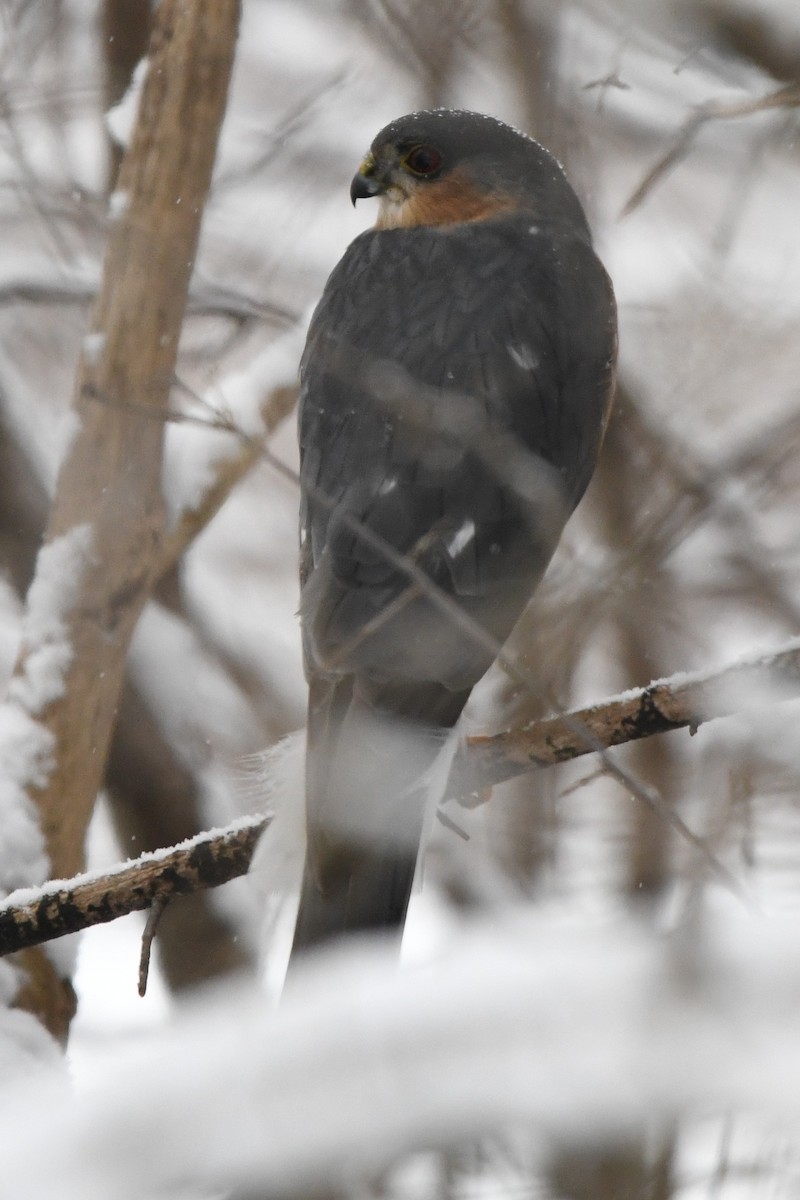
<point x="456" y="384"/>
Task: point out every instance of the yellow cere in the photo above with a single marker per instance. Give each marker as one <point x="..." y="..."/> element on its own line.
<point x="368" y="165"/>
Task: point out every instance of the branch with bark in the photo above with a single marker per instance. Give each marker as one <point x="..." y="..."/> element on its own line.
<point x="680" y="702"/>
<point x="63" y="907"/>
<point x="211" y="859"/>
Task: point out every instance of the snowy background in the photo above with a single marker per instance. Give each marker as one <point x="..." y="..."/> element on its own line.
<point x="582" y="1012"/>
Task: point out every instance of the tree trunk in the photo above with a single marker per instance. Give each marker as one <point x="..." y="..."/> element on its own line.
<point x="107" y="517"/>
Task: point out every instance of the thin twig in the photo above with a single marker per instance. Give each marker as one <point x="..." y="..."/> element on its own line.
<point x="447" y="822"/>
<point x="714" y="110"/>
<point x="653" y="799"/>
<point x="228" y="471"/>
<point x="204" y="299"/>
<point x="154" y="916"/>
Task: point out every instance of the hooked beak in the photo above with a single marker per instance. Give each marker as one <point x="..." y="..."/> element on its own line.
<point x="365" y="183"/>
<point x="363" y="187"/>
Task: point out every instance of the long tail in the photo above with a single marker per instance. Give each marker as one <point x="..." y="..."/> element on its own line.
<point x="367" y="783"/>
<point x="371" y="894"/>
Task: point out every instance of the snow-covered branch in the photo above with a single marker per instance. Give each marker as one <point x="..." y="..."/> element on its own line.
<point x="683" y="701"/>
<point x="36" y="915"/>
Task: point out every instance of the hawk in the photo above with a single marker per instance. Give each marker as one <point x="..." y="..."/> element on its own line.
<point x="455" y="388"/>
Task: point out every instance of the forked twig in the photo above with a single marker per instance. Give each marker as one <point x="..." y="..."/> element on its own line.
<point x="713" y="110"/>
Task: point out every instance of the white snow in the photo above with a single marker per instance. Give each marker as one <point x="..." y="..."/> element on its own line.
<point x="118" y="204"/>
<point x="524" y="357"/>
<point x="26" y="757"/>
<point x="278" y="775"/>
<point x="564" y="1028"/>
<point x="462" y="537"/>
<point x="749" y="698"/>
<point x="56" y="588"/>
<point x="26" y="746"/>
<point x="193" y="453"/>
<point x="28" y="1054"/>
<point x="121" y="118"/>
<point x="93" y="346"/>
<point x="23" y="895"/>
<point x="185" y="684"/>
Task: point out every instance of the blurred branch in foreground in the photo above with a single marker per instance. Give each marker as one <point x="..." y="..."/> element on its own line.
<point x="568" y="1031"/>
<point x="685" y="701"/>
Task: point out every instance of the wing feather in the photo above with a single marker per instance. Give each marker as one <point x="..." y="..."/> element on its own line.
<point x="469" y="370"/>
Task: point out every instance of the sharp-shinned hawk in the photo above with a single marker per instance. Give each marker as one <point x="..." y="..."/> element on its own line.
<point x="456" y="384"/>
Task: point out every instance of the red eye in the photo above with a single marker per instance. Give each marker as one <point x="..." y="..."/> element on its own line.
<point x="423" y="160"/>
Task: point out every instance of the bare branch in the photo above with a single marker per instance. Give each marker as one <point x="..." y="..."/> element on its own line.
<point x="714" y="110"/>
<point x="205" y="298"/>
<point x="157" y="909"/>
<point x="228" y="471"/>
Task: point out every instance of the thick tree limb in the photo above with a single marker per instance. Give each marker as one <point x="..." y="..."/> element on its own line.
<point x="111" y="479"/>
<point x="107" y="518"/>
<point x="684" y="701"/>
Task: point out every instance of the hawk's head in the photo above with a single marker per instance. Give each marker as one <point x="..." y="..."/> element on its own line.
<point x="444" y="167"/>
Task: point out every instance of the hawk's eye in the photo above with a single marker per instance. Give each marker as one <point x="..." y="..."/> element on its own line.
<point x="423" y="160"/>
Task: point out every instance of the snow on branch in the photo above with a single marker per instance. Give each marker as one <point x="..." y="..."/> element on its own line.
<point x="36" y="915"/>
<point x="680" y="702"/>
<point x="684" y="701"/>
